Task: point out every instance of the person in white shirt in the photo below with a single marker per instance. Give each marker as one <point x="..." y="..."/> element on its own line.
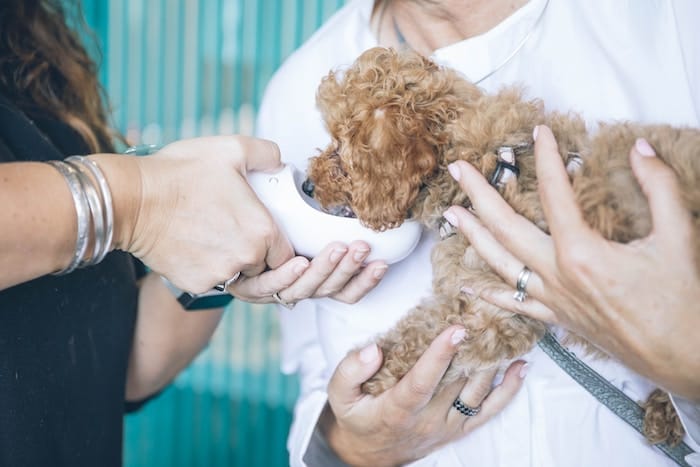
<point x="604" y="60"/>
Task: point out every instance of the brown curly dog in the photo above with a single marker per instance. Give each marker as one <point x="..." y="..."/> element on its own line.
<point x="397" y="120"/>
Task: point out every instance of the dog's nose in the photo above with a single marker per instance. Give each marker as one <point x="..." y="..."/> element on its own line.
<point x="308" y="187"/>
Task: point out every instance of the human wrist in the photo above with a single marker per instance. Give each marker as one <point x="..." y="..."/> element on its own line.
<point x="335" y="437"/>
<point x="347" y="447"/>
<point x="658" y="357"/>
<point x="685" y="383"/>
<point x="124" y="179"/>
<point x="93" y="208"/>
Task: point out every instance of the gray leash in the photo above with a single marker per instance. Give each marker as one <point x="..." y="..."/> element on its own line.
<point x="610" y="396"/>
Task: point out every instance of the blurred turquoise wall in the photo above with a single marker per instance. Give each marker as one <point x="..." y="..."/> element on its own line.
<point x="179" y="68"/>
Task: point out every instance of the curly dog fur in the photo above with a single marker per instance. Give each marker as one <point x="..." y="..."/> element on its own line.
<point x="397" y="120"/>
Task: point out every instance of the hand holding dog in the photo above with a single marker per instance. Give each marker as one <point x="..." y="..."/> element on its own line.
<point x="410" y="420"/>
<point x="638" y="301"/>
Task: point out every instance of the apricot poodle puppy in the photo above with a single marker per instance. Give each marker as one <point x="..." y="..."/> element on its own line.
<point x="397" y="120"/>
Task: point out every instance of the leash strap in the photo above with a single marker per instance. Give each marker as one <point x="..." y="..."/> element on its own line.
<point x="609" y="395"/>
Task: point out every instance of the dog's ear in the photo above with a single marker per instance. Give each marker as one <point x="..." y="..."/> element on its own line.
<point x="389" y="170"/>
<point x="332" y="102"/>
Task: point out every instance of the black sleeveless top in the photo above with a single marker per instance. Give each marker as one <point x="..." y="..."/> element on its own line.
<point x="64" y="340"/>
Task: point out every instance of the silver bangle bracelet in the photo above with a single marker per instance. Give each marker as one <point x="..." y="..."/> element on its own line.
<point x="96" y="211"/>
<point x="102" y="212"/>
<point x="82" y="209"/>
<point x="108" y="206"/>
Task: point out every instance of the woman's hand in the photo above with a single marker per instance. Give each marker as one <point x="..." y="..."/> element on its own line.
<point x="410" y="420"/>
<point x="639" y="301"/>
<point x="194" y="218"/>
<point x="337" y="272"/>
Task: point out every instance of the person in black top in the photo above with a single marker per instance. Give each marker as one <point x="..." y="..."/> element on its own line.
<point x="77" y="339"/>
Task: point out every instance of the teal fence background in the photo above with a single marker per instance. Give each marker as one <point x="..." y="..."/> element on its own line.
<point x="180" y="68"/>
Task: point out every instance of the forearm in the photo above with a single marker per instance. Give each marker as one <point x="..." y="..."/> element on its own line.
<point x="39" y="220"/>
<point x="167" y="338"/>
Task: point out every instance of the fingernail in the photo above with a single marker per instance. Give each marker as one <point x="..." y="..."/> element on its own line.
<point x="454" y="171"/>
<point x="523" y="370"/>
<point x="644" y="148"/>
<point x="534" y="132"/>
<point x="369" y="353"/>
<point x="359" y="255"/>
<point x="469" y="291"/>
<point x="300" y="268"/>
<point x="458" y="336"/>
<point x="379" y="271"/>
<point x="338" y="253"/>
<point x="450" y="217"/>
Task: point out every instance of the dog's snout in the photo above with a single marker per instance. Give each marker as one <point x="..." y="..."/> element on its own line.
<point x="308" y="187"/>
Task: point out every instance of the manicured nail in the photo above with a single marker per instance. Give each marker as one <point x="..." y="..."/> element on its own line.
<point x="523" y="370"/>
<point x="644" y="148"/>
<point x="300" y="268"/>
<point x="454" y="171"/>
<point x="534" y="132"/>
<point x="379" y="271"/>
<point x="469" y="291"/>
<point x="338" y="253"/>
<point x="359" y="255"/>
<point x="458" y="336"/>
<point x="450" y="217"/>
<point x="369" y="353"/>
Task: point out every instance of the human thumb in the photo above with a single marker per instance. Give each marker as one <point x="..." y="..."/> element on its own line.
<point x="344" y="388"/>
<point x="260" y="154"/>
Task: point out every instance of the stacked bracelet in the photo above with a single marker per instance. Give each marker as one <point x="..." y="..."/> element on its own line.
<point x="105" y="215"/>
<point x="93" y="205"/>
<point x="82" y="210"/>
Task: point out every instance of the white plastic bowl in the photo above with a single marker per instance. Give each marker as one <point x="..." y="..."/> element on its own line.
<point x="309" y="229"/>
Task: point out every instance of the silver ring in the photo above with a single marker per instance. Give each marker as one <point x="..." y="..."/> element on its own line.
<point x="520" y="285"/>
<point x="464" y="409"/>
<point x="224" y="287"/>
<point x="287" y="305"/>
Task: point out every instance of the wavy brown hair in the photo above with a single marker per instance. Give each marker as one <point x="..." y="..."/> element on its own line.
<point x="45" y="68"/>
